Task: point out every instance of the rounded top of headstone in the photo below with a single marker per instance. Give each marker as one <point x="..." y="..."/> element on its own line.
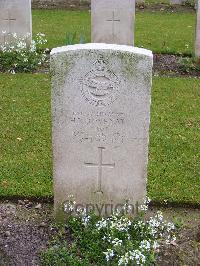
<point x="102" y="46"/>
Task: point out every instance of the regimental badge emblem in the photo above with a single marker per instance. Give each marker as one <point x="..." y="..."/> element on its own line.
<point x="100" y="87"/>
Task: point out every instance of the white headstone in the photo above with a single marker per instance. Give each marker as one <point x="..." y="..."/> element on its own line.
<point x="113" y="21"/>
<point x="101" y="113"/>
<point x="197" y="42"/>
<point x="176" y="2"/>
<point x="15" y="17"/>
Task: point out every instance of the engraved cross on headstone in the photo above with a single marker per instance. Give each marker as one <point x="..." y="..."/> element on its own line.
<point x="113" y="20"/>
<point x="10" y="20"/>
<point x="100" y="166"/>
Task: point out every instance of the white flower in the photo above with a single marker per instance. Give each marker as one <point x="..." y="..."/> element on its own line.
<point x="117" y="242"/>
<point x="109" y="254"/>
<point x="85" y="220"/>
<point x="145" y="244"/>
<point x="144" y="207"/>
<point x="124" y="259"/>
<point x="28" y="34"/>
<point x="12" y="71"/>
<point x="170" y="226"/>
<point x="14" y="35"/>
<point x="155" y="245"/>
<point x="101" y="224"/>
<point x="159" y="215"/>
<point x="134" y="256"/>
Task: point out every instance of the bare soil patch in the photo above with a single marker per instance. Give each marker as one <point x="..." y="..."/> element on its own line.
<point x="165" y="8"/>
<point x="86" y="5"/>
<point x="25" y="229"/>
<point x="60" y="4"/>
<point x="172" y="65"/>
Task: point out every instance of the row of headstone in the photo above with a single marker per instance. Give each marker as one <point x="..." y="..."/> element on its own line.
<point x="15" y="18"/>
<point x="101" y="96"/>
<point x="112" y="21"/>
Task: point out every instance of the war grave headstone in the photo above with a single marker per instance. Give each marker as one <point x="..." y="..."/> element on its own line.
<point x="15" y="18"/>
<point x="101" y="97"/>
<point x="113" y="21"/>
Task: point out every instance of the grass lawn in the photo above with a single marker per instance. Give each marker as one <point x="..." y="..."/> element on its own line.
<point x="174" y="153"/>
<point x="161" y="32"/>
<point x="25" y="158"/>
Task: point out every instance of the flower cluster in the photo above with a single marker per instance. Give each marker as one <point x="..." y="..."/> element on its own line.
<point x="132" y="256"/>
<point x="144" y="206"/>
<point x="119" y="239"/>
<point x="134" y="241"/>
<point x="125" y="240"/>
<point x="19" y="54"/>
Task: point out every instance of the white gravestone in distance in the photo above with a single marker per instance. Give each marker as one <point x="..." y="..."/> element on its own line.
<point x="113" y="21"/>
<point x="15" y="17"/>
<point x="176" y="2"/>
<point x="197" y="42"/>
<point x="101" y="113"/>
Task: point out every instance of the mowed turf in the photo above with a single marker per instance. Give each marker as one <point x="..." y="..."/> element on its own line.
<point x="25" y="157"/>
<point x="162" y="32"/>
<point x="174" y="142"/>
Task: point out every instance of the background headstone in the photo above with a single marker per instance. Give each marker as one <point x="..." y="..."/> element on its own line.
<point x="101" y="113"/>
<point x="15" y="17"/>
<point x="197" y="42"/>
<point x="176" y="2"/>
<point x="113" y="21"/>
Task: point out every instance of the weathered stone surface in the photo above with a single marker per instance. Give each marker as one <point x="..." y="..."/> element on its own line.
<point x="15" y="17"/>
<point x="197" y="42"/>
<point x="113" y="21"/>
<point x="101" y="112"/>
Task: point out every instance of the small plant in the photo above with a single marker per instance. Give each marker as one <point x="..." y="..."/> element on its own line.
<point x="72" y="38"/>
<point x="20" y="57"/>
<point x="190" y="3"/>
<point x="188" y="64"/>
<point x="116" y="240"/>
